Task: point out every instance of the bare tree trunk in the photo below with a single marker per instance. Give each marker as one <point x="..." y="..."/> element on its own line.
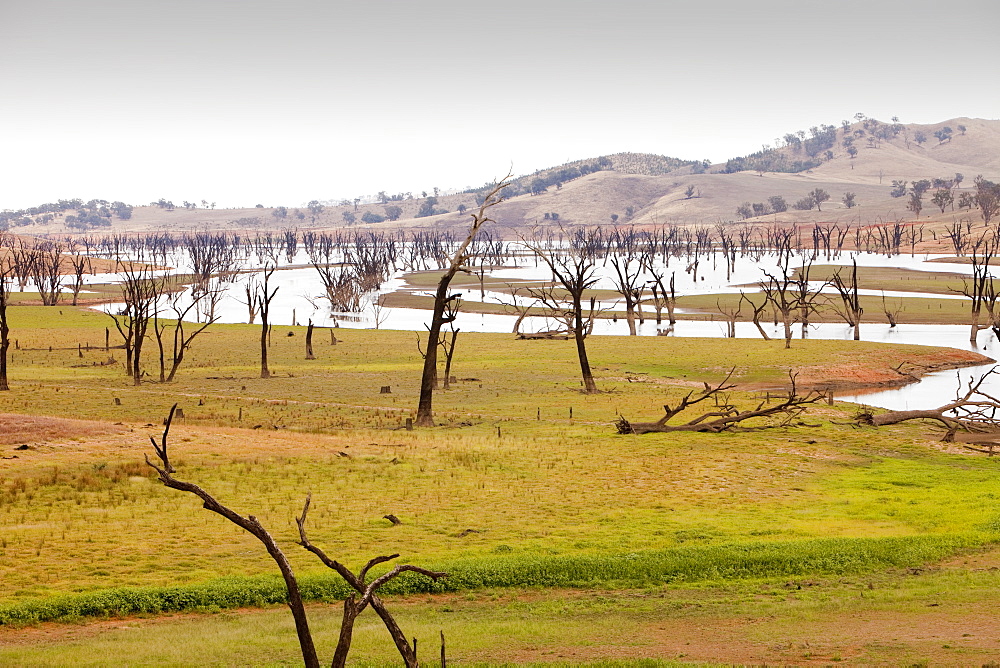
<point x="442" y="303"/>
<point x="6" y="272"/>
<point x="786" y="320"/>
<point x="265" y="372"/>
<point x="449" y="354"/>
<point x="4" y="336"/>
<point x="580" y="334"/>
<point x="309" y="341"/>
<point x="346" y="633"/>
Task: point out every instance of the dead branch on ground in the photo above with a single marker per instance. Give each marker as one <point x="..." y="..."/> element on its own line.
<point x="726" y="416"/>
<point x="973" y="411"/>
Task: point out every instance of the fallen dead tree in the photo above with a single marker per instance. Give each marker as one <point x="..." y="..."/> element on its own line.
<point x="973" y="411"/>
<point x="561" y="334"/>
<point x="725" y="415"/>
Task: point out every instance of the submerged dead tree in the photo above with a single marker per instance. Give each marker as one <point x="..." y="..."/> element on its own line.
<point x="723" y="415"/>
<point x="353" y="606"/>
<point x="847" y="288"/>
<point x="443" y="297"/>
<point x="981" y="291"/>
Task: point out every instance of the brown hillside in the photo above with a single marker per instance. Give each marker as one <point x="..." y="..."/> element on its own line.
<point x="656" y="190"/>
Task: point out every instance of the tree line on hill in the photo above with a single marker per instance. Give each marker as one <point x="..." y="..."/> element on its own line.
<point x="799" y="151"/>
<point x="95" y="213"/>
<point x="985" y="197"/>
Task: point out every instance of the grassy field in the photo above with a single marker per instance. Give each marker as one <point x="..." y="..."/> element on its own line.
<point x="523" y="488"/>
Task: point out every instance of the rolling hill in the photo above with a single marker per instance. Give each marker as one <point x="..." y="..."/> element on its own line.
<point x="647" y="189"/>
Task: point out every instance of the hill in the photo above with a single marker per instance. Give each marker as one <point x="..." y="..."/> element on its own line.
<point x="863" y="158"/>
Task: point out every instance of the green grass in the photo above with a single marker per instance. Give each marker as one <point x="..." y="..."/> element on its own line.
<point x="554" y="501"/>
<point x="726" y="562"/>
<point x="776" y="621"/>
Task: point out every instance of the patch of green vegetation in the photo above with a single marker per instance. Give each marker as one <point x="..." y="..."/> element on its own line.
<point x="634" y="569"/>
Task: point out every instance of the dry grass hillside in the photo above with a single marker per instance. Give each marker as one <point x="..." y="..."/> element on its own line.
<point x="652" y="189"/>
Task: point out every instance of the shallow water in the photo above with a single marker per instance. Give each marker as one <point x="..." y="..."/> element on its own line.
<point x="300" y="298"/>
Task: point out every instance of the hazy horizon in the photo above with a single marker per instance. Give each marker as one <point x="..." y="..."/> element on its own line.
<point x="254" y="102"/>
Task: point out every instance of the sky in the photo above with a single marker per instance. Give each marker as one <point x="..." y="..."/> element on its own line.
<point x="241" y="102"/>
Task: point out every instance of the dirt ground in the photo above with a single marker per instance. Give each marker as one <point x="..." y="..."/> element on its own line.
<point x="26" y="429"/>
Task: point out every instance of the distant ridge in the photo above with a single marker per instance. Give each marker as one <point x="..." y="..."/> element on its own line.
<point x="866" y="159"/>
<point x="644" y="164"/>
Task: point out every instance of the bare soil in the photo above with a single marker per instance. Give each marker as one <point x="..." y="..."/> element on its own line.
<point x="27" y="429"/>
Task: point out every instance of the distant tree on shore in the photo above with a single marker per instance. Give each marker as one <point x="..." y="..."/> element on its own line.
<point x="777" y="203"/>
<point x="819" y="196"/>
<point x="942" y="198"/>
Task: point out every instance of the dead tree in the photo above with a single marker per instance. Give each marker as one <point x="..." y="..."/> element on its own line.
<point x="663" y="295"/>
<point x="891" y="311"/>
<point x="627" y="261"/>
<point x="848" y="291"/>
<point x="730" y="314"/>
<point x="758" y="311"/>
<point x="788" y="291"/>
<point x="201" y="300"/>
<point x="449" y="352"/>
<point x="575" y="271"/>
<point x="520" y="307"/>
<point x="550" y="303"/>
<point x="309" y="340"/>
<point x="779" y="289"/>
<point x="808" y="298"/>
<point x="81" y="264"/>
<point x="353" y="606"/>
<point x="973" y="411"/>
<point x="980" y="289"/>
<point x="442" y="297"/>
<point x="46" y="271"/>
<point x="6" y="277"/>
<point x="262" y="294"/>
<point x="725" y="415"/>
<point x="141" y="292"/>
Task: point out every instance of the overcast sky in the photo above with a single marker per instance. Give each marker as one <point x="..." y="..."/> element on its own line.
<point x="244" y="101"/>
